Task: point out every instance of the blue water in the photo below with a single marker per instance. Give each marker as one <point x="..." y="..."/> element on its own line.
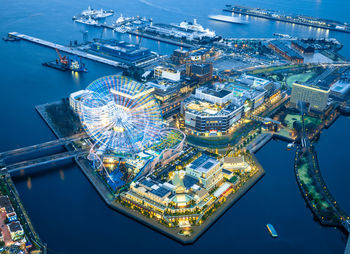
<point x="66" y="210"/>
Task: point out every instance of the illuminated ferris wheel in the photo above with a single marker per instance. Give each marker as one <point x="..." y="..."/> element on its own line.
<point x="120" y="115"/>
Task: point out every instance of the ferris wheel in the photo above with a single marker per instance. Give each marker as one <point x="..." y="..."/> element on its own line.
<point x="120" y="115"/>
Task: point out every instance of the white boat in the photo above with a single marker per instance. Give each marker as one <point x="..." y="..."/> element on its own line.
<point x="196" y="27"/>
<point x="97" y="14"/>
<point x="120" y="29"/>
<point x="228" y="19"/>
<point x="89" y="21"/>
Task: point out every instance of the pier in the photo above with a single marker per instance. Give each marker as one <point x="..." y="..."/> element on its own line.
<point x="161" y="39"/>
<point x="298" y="20"/>
<point x="69" y="50"/>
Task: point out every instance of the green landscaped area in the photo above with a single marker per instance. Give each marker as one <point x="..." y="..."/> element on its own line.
<point x="302" y="77"/>
<point x="291" y="118"/>
<point x="309" y="185"/>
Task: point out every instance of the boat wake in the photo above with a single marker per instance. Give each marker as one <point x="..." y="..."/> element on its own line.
<point x="154" y="5"/>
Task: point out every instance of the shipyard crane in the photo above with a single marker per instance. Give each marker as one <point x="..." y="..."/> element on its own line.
<point x="63" y="60"/>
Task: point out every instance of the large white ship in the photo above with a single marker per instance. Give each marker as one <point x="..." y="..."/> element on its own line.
<point x="196" y="28"/>
<point x="97" y="14"/>
<point x="89" y="21"/>
<point x="228" y="19"/>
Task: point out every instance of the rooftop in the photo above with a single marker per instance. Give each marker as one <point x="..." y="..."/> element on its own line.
<point x="204" y="163"/>
<point x="287" y="50"/>
<point x="15" y="226"/>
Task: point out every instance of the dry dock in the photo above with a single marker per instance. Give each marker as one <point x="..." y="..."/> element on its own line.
<point x="69" y="50"/>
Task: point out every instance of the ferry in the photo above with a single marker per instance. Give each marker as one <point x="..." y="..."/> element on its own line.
<point x="97" y="14"/>
<point x="196" y="28"/>
<point x="228" y="19"/>
<point x="272" y="230"/>
<point x="89" y="21"/>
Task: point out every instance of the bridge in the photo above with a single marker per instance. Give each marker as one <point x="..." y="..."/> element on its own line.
<point x="42" y="146"/>
<point x="12" y="168"/>
<point x="22" y="165"/>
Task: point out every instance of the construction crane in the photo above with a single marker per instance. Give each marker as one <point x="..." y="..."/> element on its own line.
<point x="63" y="60"/>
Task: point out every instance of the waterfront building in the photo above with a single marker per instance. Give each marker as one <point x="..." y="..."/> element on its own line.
<point x="316" y="97"/>
<point x="223" y="191"/>
<point x="303" y="47"/>
<point x="207" y="170"/>
<point x="16" y="230"/>
<point x="288" y="53"/>
<point x="7" y="208"/>
<point x="234" y="164"/>
<point x="340" y="89"/>
<point x="161" y="72"/>
<point x="202" y="72"/>
<point x="75" y="99"/>
<point x="121" y="50"/>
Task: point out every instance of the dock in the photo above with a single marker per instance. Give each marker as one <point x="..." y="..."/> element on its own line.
<point x="69" y="50"/>
<point x="161" y="39"/>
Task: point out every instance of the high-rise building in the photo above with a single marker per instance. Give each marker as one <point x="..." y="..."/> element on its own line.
<point x="202" y="72"/>
<point x="316" y="97"/>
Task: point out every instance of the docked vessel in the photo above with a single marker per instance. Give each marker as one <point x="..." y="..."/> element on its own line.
<point x="228" y="19"/>
<point x="195" y="27"/>
<point x="97" y="14"/>
<point x="89" y="21"/>
<point x="272" y="230"/>
<point x="65" y="63"/>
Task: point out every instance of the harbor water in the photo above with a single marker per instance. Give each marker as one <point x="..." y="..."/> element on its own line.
<point x="65" y="209"/>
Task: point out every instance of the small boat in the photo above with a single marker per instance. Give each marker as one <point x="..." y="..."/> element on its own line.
<point x="272" y="230"/>
<point x="290" y="146"/>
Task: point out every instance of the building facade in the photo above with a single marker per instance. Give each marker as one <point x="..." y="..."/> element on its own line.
<point x="316" y="98"/>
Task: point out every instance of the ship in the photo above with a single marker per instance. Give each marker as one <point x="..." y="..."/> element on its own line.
<point x="89" y="21"/>
<point x="228" y="19"/>
<point x="97" y="14"/>
<point x="195" y="27"/>
<point x="272" y="230"/>
<point x="65" y="63"/>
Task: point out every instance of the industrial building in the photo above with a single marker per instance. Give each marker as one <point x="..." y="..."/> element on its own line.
<point x="121" y="50"/>
<point x="303" y="47"/>
<point x="286" y="52"/>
